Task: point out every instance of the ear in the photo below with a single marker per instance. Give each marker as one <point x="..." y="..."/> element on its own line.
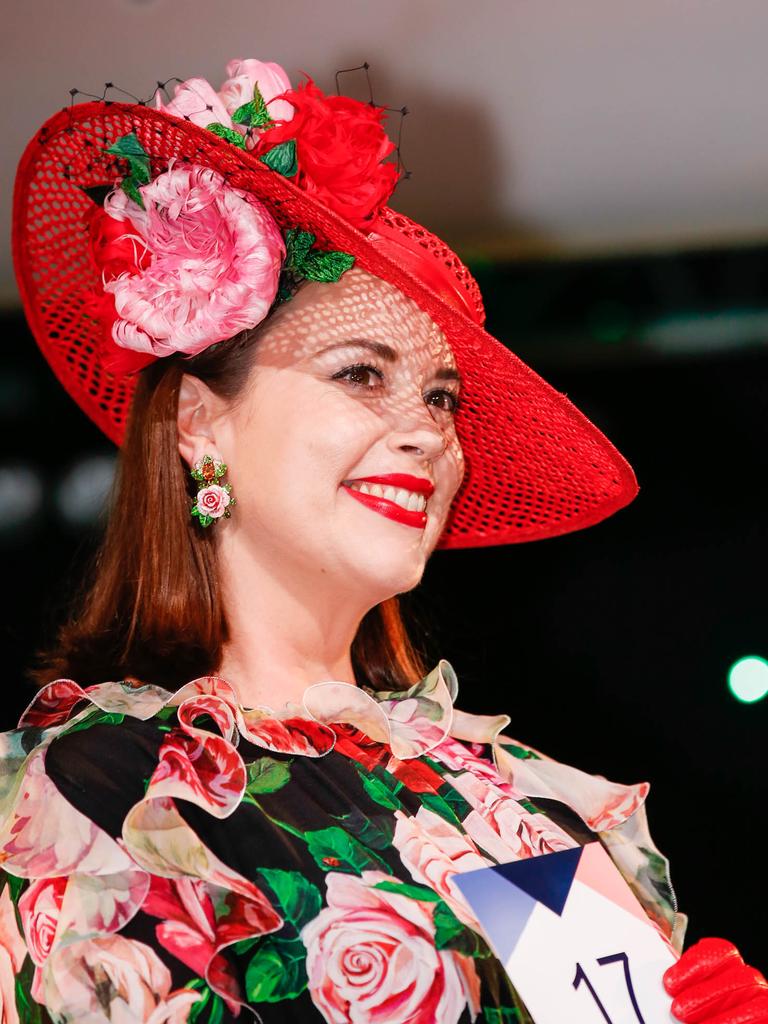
<point x="196" y="420"/>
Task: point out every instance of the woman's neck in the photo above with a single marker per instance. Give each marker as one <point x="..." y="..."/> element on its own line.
<point x="273" y="670"/>
<point x="284" y="634"/>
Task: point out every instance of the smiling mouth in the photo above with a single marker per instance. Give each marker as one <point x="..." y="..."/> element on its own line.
<point x="396" y="503"/>
<point x="411" y="501"/>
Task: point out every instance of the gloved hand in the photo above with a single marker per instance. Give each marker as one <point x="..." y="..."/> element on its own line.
<point x="711" y="984"/>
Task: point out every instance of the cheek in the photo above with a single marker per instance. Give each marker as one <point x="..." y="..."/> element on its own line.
<point x="341" y="437"/>
<point x="454" y="457"/>
<point x="312" y="445"/>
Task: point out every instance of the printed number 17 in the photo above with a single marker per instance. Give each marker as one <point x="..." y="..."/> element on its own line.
<point x="581" y="976"/>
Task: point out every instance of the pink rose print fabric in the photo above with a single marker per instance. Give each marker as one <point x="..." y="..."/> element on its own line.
<point x="175" y="857"/>
<point x="372" y="952"/>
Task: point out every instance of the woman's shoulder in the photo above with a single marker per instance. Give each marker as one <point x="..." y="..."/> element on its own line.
<point x="94" y="848"/>
<point x="70" y="771"/>
<point x="602" y="804"/>
<point x="615" y="813"/>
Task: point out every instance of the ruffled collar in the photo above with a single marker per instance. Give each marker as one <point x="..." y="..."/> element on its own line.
<point x="411" y="721"/>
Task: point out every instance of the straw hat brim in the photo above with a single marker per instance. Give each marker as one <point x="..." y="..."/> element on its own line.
<point x="536" y="467"/>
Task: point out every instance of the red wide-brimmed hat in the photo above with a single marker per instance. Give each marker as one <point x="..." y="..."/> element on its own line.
<point x="535" y="466"/>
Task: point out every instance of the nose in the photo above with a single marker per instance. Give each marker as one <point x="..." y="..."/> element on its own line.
<point x="416" y="430"/>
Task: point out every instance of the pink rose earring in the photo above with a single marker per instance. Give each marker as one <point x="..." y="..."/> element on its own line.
<point x="213" y="499"/>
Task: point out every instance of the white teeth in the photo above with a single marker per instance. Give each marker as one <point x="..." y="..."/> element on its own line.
<point x="410" y="500"/>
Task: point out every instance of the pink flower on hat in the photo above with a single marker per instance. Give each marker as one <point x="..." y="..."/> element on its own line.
<point x="196" y="100"/>
<point x="271" y="79"/>
<point x="216" y="255"/>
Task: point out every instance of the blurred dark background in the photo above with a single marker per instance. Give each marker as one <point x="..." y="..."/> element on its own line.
<point x="604" y="170"/>
<point x="610" y="648"/>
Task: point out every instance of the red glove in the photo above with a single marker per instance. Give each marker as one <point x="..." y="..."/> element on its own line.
<point x="711" y="984"/>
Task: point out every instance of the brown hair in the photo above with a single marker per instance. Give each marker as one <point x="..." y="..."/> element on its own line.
<point x="151" y="607"/>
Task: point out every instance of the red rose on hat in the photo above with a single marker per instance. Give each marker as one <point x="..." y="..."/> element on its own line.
<point x="340" y="143"/>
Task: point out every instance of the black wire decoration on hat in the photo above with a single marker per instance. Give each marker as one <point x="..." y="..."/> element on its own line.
<point x="404" y="174"/>
<point x="403" y="111"/>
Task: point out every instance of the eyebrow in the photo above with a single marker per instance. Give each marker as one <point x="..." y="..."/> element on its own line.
<point x="387" y="353"/>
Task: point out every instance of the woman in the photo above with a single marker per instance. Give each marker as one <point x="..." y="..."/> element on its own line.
<point x="268" y="809"/>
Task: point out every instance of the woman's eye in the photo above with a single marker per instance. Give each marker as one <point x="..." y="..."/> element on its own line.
<point x="452" y="398"/>
<point x="359" y="370"/>
<point x="448" y="400"/>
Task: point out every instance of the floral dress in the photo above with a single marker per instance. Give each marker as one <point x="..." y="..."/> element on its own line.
<point x="170" y="857"/>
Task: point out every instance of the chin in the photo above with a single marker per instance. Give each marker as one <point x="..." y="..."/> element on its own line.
<point x="410" y="581"/>
<point x="412" y="571"/>
<point x="395" y="572"/>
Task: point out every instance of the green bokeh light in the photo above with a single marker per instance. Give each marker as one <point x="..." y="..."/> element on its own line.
<point x="610" y="321"/>
<point x="748" y="679"/>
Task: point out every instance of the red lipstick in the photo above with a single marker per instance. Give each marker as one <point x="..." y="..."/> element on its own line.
<point x="419" y="484"/>
<point x="391" y="509"/>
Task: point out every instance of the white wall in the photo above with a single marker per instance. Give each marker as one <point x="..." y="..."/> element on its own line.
<point x="536" y="125"/>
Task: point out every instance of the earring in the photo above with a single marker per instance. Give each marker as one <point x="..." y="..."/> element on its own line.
<point x="213" y="499"/>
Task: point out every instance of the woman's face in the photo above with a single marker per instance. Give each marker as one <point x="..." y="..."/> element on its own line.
<point x="351" y="380"/>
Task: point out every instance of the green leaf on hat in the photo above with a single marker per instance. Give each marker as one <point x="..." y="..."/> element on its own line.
<point x="455" y="800"/>
<point x="326" y="266"/>
<point x="97" y="717"/>
<point x="139" y="169"/>
<point x="129" y="148"/>
<point x="254" y="113"/>
<point x="313" y="264"/>
<point x="226" y="133"/>
<point x="447" y="925"/>
<point x="282" y="158"/>
<point x="245" y="114"/>
<point x="262" y="113"/>
<point x="297" y="244"/>
<point x="128" y="185"/>
<point x="303" y="262"/>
